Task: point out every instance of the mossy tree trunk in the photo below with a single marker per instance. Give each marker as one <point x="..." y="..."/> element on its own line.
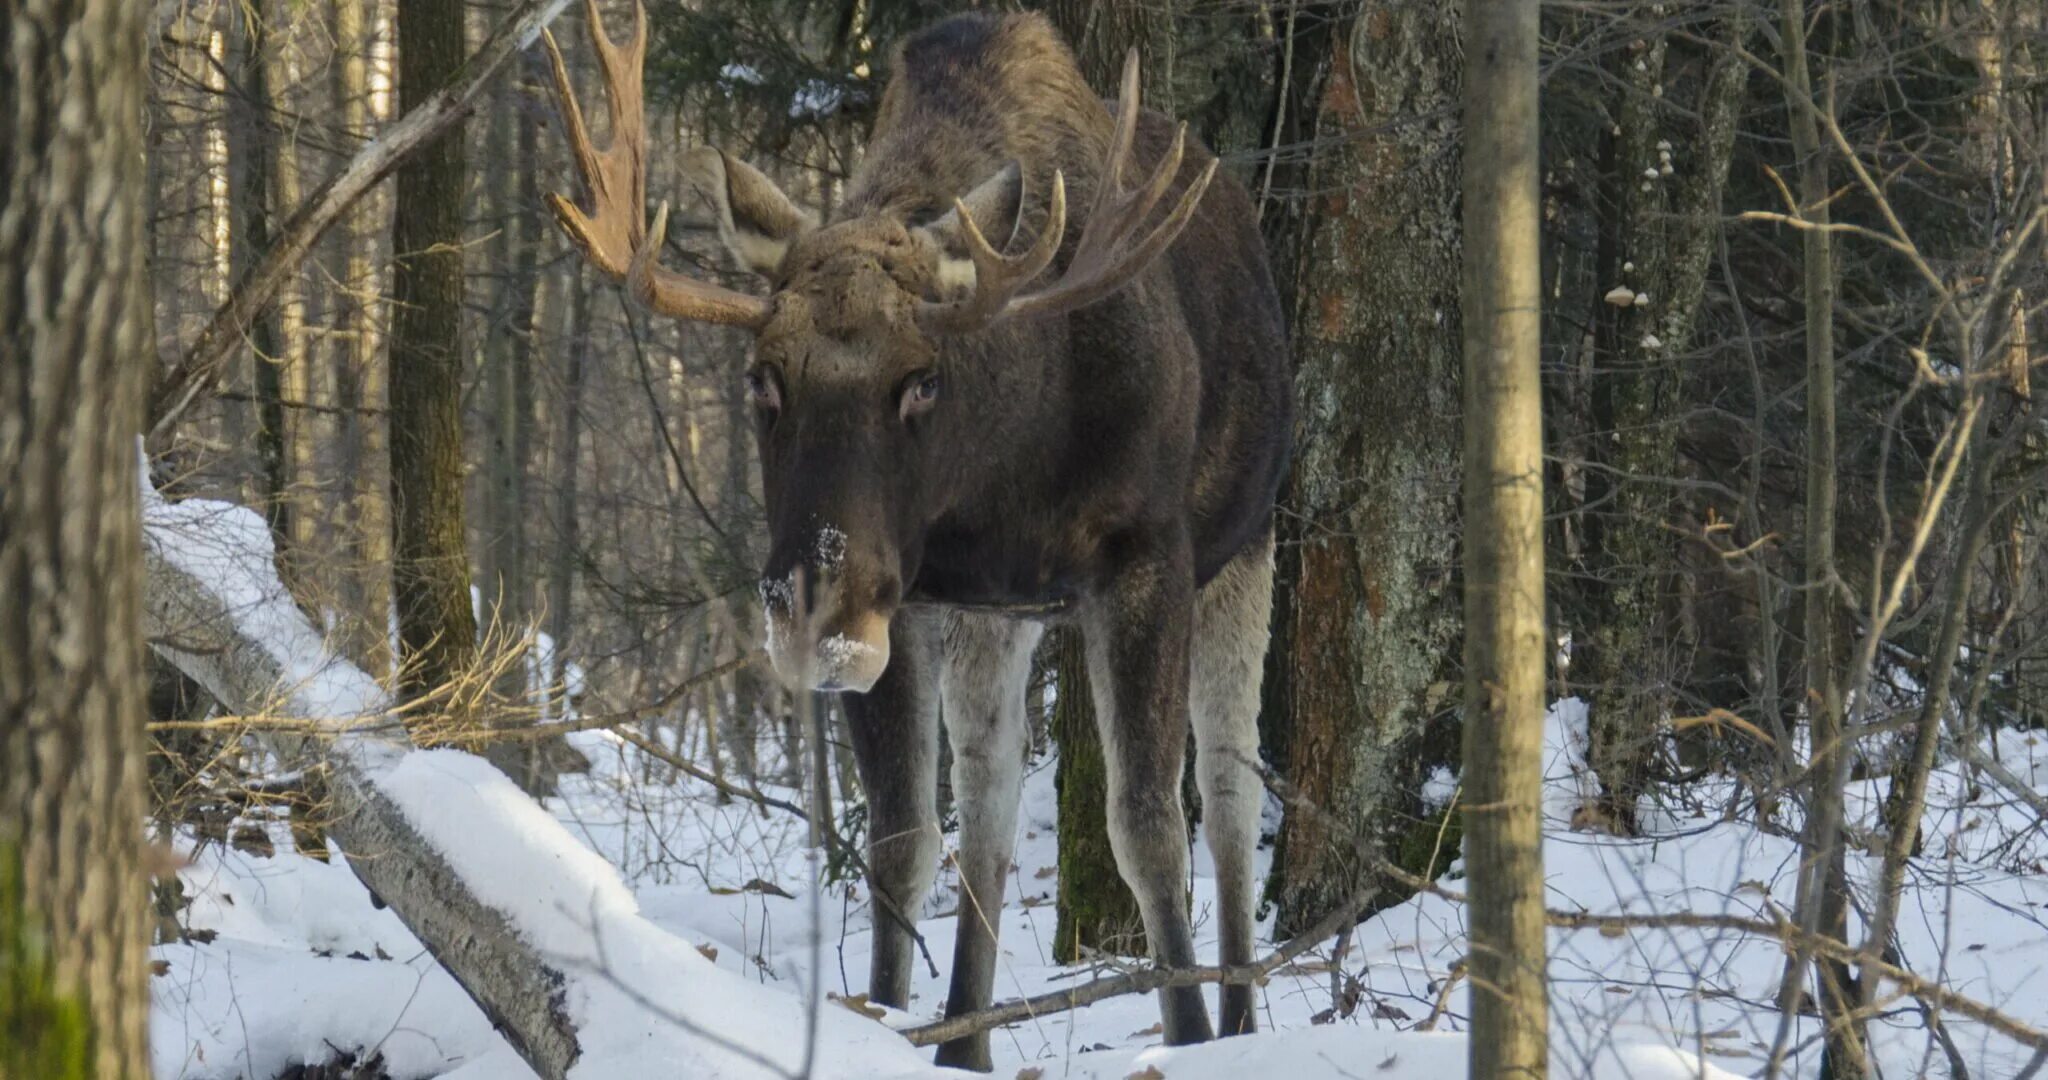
<point x="1366" y="673"/>
<point x="436" y="624"/>
<point x="75" y="337"/>
<point x="1096" y="909"/>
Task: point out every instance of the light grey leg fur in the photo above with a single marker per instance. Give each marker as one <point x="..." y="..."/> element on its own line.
<point x="1229" y="648"/>
<point x="987" y="669"/>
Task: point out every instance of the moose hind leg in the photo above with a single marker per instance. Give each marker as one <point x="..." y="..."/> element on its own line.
<point x="1229" y="646"/>
<point x="988" y="665"/>
<point x="894" y="730"/>
<point x="1137" y="641"/>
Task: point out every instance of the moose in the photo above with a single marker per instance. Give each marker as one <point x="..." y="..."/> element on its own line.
<point x="978" y="416"/>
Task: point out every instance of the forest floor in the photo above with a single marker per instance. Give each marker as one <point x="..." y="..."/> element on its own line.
<point x="292" y="963"/>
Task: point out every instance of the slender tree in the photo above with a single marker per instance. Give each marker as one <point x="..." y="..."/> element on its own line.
<point x="252" y="195"/>
<point x="74" y="332"/>
<point x="360" y="374"/>
<point x="1505" y="646"/>
<point x="1822" y="904"/>
<point x="436" y="624"/>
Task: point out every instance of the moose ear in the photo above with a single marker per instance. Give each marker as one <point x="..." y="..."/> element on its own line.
<point x="997" y="207"/>
<point x="755" y="219"/>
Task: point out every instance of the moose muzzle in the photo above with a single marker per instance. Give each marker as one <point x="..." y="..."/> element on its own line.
<point x="828" y="629"/>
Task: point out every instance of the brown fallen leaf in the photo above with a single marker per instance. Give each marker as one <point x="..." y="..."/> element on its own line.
<point x="1030" y="1072"/>
<point x="1153" y="1030"/>
<point x="1149" y="1072"/>
<point x="859" y="1003"/>
<point x="159" y="967"/>
<point x="709" y="952"/>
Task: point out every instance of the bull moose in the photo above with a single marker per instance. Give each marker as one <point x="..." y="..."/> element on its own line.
<point x="978" y="416"/>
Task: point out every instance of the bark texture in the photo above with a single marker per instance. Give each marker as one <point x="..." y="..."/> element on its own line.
<point x="1666" y="168"/>
<point x="74" y="319"/>
<point x="1096" y="909"/>
<point x="1506" y="646"/>
<point x="436" y="624"/>
<point x="1367" y="672"/>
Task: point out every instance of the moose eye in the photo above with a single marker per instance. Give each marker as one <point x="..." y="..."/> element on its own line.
<point x="762" y="387"/>
<point x="920" y="392"/>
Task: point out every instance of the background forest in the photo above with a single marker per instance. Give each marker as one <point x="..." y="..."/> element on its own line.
<point x="1795" y="491"/>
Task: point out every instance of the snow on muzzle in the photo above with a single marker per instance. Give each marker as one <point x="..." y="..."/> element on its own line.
<point x="826" y="631"/>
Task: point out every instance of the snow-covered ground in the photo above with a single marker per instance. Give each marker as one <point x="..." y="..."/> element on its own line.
<point x="301" y="966"/>
<point x="665" y="906"/>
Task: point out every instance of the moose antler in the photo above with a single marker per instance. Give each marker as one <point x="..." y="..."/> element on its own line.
<point x="1106" y="257"/>
<point x="613" y="234"/>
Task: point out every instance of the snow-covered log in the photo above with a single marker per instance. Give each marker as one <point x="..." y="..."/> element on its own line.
<point x="538" y="929"/>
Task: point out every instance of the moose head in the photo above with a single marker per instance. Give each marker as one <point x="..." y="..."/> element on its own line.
<point x="857" y="423"/>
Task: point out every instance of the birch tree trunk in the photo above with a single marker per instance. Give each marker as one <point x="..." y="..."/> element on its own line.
<point x="1505" y="642"/>
<point x="74" y="318"/>
<point x="436" y="624"/>
<point x="1365" y="674"/>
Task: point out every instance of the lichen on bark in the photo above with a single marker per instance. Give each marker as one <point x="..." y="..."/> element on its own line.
<point x="1370" y="625"/>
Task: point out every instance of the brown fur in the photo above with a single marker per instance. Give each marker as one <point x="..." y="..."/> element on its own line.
<point x="1117" y="457"/>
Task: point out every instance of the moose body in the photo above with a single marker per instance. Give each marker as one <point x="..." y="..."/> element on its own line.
<point x="1092" y="429"/>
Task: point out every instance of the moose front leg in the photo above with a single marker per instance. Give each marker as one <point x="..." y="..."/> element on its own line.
<point x="988" y="664"/>
<point x="1137" y="636"/>
<point x="894" y="729"/>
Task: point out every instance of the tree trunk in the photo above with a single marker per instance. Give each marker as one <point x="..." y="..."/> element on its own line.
<point x="252" y="164"/>
<point x="506" y="580"/>
<point x="1666" y="168"/>
<point x="365" y="573"/>
<point x="1822" y="905"/>
<point x="1506" y="646"/>
<point x="470" y="933"/>
<point x="1096" y="909"/>
<point x="436" y="624"/>
<point x="568" y="451"/>
<point x="1366" y="673"/>
<point x="74" y="319"/>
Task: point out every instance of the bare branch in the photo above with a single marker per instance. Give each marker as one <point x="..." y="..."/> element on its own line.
<point x="202" y="364"/>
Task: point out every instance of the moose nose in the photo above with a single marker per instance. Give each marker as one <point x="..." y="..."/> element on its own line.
<point x="823" y="635"/>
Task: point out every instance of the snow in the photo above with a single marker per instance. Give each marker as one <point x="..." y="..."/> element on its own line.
<point x="683" y="922"/>
<point x="816" y="99"/>
<point x="229" y="548"/>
